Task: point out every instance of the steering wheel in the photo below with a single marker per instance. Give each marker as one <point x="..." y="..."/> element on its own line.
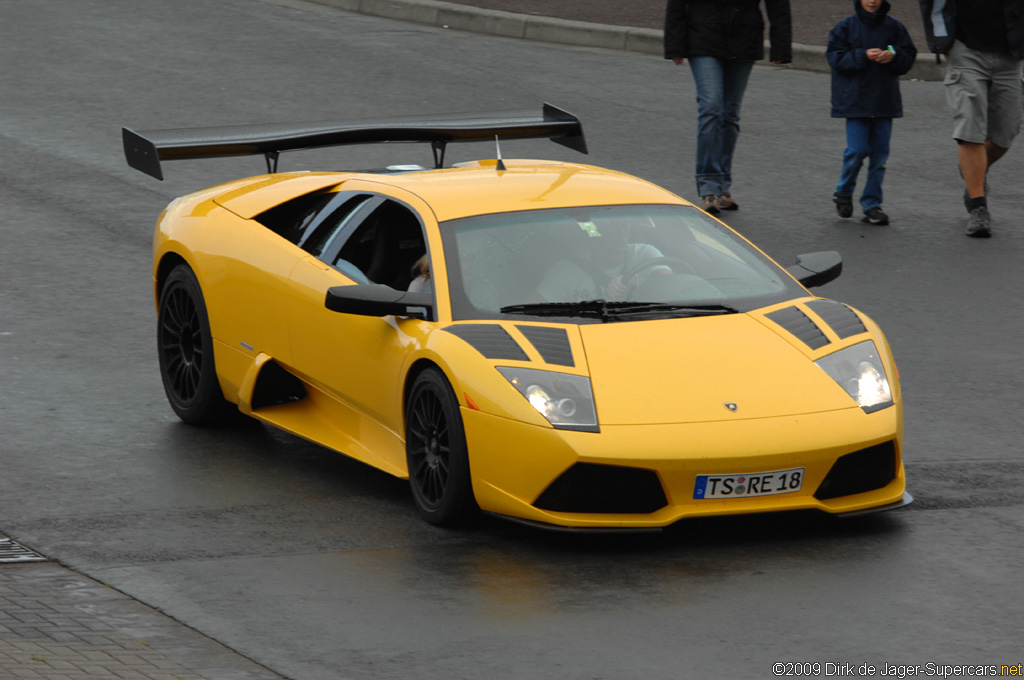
<point x="686" y="267"/>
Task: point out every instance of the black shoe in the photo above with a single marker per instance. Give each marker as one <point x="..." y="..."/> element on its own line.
<point x="967" y="197"/>
<point x="980" y="224"/>
<point x="876" y="216"/>
<point x="844" y="205"/>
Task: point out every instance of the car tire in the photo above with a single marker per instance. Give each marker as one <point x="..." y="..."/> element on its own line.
<point x="435" y="446"/>
<point x="185" y="348"/>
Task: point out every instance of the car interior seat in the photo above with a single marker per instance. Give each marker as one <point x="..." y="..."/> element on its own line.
<point x="398" y="243"/>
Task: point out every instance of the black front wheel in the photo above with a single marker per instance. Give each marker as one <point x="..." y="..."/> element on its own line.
<point x="435" y="446"/>
<point x="186" y="351"/>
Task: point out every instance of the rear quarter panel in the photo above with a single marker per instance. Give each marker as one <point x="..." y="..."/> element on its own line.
<point x="243" y="270"/>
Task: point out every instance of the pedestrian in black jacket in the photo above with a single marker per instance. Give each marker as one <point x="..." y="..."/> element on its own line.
<point x="984" y="44"/>
<point x="868" y="52"/>
<point x="722" y="39"/>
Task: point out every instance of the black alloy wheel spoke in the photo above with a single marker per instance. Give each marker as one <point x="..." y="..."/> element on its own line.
<point x="429" y="452"/>
<point x="182" y="344"/>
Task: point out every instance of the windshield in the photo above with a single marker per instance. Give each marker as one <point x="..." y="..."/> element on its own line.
<point x="672" y="260"/>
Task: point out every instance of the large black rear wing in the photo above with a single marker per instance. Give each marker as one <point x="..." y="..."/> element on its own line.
<point x="145" y="150"/>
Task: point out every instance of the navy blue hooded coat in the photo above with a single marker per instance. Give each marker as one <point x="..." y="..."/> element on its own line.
<point x="862" y="88"/>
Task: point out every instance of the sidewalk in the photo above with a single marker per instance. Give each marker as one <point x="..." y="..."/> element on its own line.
<point x="812" y="19"/>
<point x="56" y="624"/>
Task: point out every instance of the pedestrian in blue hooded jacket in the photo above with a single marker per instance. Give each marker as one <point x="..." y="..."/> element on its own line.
<point x="868" y="52"/>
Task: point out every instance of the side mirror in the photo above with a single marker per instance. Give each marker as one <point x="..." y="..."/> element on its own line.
<point x="374" y="299"/>
<point x="817" y="269"/>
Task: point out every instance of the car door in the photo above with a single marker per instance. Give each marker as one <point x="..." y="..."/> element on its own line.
<point x="359" y="360"/>
<point x="245" y="271"/>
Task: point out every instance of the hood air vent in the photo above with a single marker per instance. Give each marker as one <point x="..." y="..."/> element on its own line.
<point x="490" y="340"/>
<point x="551" y="343"/>
<point x="800" y="325"/>
<point x="840" y="318"/>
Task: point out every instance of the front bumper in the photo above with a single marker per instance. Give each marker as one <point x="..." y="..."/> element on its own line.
<point x="513" y="464"/>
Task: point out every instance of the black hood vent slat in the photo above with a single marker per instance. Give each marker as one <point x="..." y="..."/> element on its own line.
<point x="491" y="340"/>
<point x="552" y="344"/>
<point x="800" y="325"/>
<point x="840" y="318"/>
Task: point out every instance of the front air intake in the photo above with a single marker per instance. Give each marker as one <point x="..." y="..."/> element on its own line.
<point x="865" y="470"/>
<point x="606" y="489"/>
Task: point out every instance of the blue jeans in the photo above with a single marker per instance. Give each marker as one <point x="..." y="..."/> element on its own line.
<point x="720" y="87"/>
<point x="865" y="138"/>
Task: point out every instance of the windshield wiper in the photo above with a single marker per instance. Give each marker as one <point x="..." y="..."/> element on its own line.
<point x="607" y="311"/>
<point x="593" y="309"/>
<point x="637" y="309"/>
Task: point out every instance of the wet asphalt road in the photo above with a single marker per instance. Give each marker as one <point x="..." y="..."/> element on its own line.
<point x="317" y="566"/>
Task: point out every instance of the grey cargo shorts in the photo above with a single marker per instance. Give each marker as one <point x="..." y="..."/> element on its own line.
<point x="985" y="91"/>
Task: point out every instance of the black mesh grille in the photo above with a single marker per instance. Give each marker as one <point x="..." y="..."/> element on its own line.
<point x="586" y="487"/>
<point x="860" y="471"/>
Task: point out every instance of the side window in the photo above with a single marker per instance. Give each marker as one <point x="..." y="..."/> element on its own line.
<point x="311" y="221"/>
<point x="331" y="221"/>
<point x="383" y="247"/>
<point x="291" y="220"/>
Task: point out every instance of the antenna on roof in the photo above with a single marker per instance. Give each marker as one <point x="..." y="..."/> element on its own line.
<point x="501" y="165"/>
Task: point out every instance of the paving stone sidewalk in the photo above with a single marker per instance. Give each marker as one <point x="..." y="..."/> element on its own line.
<point x="56" y="624"/>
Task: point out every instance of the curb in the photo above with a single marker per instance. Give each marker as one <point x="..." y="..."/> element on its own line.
<point x="460" y="17"/>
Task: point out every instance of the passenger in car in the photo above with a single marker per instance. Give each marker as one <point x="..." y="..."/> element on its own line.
<point x="421" y="282"/>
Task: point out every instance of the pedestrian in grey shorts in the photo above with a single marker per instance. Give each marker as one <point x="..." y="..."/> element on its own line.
<point x="983" y="41"/>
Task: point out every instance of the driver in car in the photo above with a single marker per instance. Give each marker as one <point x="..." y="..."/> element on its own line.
<point x="598" y="271"/>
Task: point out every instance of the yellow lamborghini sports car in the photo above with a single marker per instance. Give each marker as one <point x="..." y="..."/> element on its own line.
<point x="551" y="342"/>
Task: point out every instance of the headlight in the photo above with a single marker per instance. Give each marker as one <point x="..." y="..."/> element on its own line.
<point x="565" y="400"/>
<point x="859" y="371"/>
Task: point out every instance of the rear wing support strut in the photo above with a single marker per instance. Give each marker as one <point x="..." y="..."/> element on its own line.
<point x="438" y="149"/>
<point x="272" y="157"/>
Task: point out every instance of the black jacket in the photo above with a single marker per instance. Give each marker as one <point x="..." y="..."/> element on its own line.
<point x="732" y="30"/>
<point x="940" y="24"/>
<point x="862" y="88"/>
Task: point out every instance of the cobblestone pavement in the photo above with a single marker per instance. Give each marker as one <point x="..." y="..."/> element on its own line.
<point x="56" y="624"/>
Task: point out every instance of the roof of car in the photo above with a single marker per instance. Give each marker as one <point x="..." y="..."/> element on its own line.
<point x="480" y="188"/>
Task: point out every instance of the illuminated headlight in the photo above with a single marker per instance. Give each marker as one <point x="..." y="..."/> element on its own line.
<point x="859" y="371"/>
<point x="565" y="400"/>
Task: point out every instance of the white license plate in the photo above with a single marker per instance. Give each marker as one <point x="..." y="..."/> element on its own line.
<point x="752" y="484"/>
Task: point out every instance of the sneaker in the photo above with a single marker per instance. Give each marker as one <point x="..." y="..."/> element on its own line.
<point x="709" y="204"/>
<point x="844" y="205"/>
<point x="876" y="216"/>
<point x="725" y="202"/>
<point x="980" y="224"/>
